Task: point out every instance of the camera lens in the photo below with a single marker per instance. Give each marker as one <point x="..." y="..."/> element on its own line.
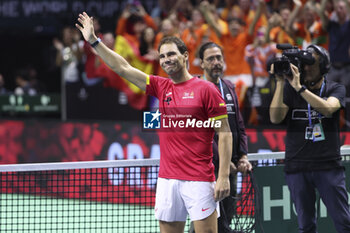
<point x="282" y="66"/>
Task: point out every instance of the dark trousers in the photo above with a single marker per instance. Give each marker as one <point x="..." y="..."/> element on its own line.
<point x="331" y="187"/>
<point x="227" y="211"/>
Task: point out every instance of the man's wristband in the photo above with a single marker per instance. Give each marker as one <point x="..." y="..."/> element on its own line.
<point x="96" y="42"/>
<point x="302" y="89"/>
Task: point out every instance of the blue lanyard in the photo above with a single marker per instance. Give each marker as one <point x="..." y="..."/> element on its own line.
<point x="221" y="89"/>
<point x="309" y="107"/>
<point x="220" y="84"/>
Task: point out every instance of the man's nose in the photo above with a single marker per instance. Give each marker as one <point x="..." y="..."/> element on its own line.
<point x="216" y="60"/>
<point x="166" y="60"/>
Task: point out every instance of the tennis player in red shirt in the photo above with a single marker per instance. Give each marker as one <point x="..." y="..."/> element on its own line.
<point x="189" y="106"/>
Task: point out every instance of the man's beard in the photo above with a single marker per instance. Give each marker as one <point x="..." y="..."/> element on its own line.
<point x="216" y="74"/>
<point x="173" y="69"/>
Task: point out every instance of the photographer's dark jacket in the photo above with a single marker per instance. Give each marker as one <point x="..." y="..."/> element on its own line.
<point x="303" y="154"/>
<point x="239" y="136"/>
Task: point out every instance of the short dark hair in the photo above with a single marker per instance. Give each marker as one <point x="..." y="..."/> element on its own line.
<point x="206" y="46"/>
<point x="173" y="40"/>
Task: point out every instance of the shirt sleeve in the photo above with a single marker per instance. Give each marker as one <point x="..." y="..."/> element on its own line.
<point x="155" y="85"/>
<point x="151" y="87"/>
<point x="214" y="103"/>
<point x="338" y="91"/>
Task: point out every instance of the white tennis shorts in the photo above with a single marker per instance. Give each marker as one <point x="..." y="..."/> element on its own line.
<point x="177" y="198"/>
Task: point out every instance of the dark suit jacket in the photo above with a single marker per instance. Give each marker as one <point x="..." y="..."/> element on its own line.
<point x="240" y="148"/>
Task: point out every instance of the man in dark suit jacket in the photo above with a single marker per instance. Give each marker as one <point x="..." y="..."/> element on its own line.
<point x="212" y="62"/>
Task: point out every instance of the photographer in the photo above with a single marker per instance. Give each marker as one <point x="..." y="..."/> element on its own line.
<point x="310" y="105"/>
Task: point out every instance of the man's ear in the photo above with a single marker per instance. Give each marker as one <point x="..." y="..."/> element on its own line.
<point x="186" y="55"/>
<point x="186" y="61"/>
<point x="201" y="64"/>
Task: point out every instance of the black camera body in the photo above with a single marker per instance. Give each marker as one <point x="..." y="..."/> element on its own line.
<point x="294" y="55"/>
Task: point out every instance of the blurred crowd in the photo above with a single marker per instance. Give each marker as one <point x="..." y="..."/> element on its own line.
<point x="26" y="82"/>
<point x="248" y="31"/>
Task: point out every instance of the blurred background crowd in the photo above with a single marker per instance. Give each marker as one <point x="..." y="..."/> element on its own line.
<point x="55" y="59"/>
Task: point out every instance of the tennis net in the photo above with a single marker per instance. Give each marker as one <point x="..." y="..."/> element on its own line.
<point x="97" y="196"/>
<point x="101" y="196"/>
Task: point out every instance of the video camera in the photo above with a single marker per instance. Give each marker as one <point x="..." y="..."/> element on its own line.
<point x="294" y="55"/>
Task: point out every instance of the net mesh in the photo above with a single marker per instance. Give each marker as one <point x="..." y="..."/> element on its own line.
<point x="115" y="199"/>
<point x="100" y="196"/>
<point x="105" y="196"/>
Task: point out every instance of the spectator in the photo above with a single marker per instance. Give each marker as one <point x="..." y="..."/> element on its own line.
<point x="150" y="55"/>
<point x="167" y="29"/>
<point x="69" y="54"/>
<point x="192" y="38"/>
<point x="127" y="49"/>
<point x="258" y="55"/>
<point x="277" y="27"/>
<point x="109" y="40"/>
<point x="3" y="90"/>
<point x="225" y="11"/>
<point x="182" y="10"/>
<point x="146" y="48"/>
<point x="32" y="75"/>
<point x="23" y="86"/>
<point x="338" y="27"/>
<point x="245" y="10"/>
<point x="208" y="33"/>
<point x="133" y="21"/>
<point x="234" y="39"/>
<point x="162" y="11"/>
<point x="309" y="29"/>
<point x="179" y="22"/>
<point x="131" y="26"/>
<point x="136" y="97"/>
<point x="89" y="76"/>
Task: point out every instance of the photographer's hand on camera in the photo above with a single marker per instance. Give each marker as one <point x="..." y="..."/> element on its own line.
<point x="278" y="109"/>
<point x="295" y="79"/>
